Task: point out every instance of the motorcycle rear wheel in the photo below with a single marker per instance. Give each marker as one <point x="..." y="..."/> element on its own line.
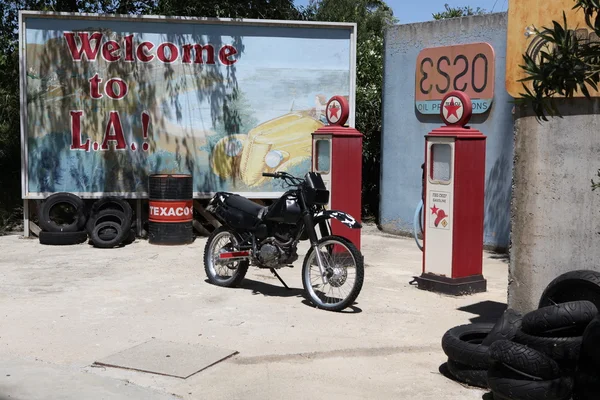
<point x="344" y="264"/>
<point x="223" y="240"/>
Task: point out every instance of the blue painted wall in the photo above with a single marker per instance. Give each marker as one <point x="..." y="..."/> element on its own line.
<point x="403" y="142"/>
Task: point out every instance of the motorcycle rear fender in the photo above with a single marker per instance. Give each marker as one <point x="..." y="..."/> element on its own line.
<point x="341" y="216"/>
<point x="217" y="200"/>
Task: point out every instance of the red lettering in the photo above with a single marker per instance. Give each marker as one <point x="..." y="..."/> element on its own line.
<point x="226" y="52"/>
<point x="110" y="90"/>
<point x="77" y="52"/>
<point x="114" y="125"/>
<point x="95" y="87"/>
<point x="198" y="49"/>
<point x="76" y="132"/>
<point x="129" y="48"/>
<point x="108" y="50"/>
<point x="141" y="54"/>
<point x="173" y="52"/>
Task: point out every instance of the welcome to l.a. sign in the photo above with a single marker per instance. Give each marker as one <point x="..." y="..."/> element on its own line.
<point x="469" y="68"/>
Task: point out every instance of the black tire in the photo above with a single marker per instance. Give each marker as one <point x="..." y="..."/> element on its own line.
<point x="506" y="383"/>
<point x="113" y="203"/>
<point x="575" y="314"/>
<point x="590" y="346"/>
<point x="79" y="218"/>
<point x="118" y="221"/>
<point x="62" y="238"/>
<point x="360" y="275"/>
<point x="525" y="360"/>
<point x="587" y="381"/>
<point x="130" y="238"/>
<point x="209" y="268"/>
<point x="573" y="286"/>
<point x="465" y="374"/>
<point x="505" y="328"/>
<point x="463" y="345"/>
<point x="558" y="348"/>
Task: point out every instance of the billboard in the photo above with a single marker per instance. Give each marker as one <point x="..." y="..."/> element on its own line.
<point x="107" y="100"/>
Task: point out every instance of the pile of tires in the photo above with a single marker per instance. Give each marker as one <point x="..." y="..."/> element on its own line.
<point x="110" y="223"/>
<point x="552" y="353"/>
<point x="62" y="219"/>
<point x="65" y="219"/>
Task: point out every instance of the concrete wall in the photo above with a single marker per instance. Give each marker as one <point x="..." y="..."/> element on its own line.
<point x="403" y="127"/>
<point x="555" y="214"/>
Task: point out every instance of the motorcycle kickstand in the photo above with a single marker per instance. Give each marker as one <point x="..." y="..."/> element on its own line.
<point x="279" y="277"/>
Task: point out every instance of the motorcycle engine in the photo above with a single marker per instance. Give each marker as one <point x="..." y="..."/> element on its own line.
<point x="269" y="255"/>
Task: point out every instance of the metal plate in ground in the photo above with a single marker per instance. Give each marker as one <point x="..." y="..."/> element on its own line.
<point x="167" y="358"/>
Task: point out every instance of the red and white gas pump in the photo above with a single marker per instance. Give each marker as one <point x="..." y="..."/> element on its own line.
<point x="454" y="202"/>
<point x="337" y="156"/>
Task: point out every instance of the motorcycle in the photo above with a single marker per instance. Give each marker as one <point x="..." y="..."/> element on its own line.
<point x="267" y="237"/>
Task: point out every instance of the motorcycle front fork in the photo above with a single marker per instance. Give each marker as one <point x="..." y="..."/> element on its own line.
<point x="314" y="243"/>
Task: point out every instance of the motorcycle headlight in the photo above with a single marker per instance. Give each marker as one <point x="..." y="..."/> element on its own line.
<point x="273" y="158"/>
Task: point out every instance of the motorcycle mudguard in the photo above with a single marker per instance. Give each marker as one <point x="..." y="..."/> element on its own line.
<point x="217" y="200"/>
<point x="341" y="216"/>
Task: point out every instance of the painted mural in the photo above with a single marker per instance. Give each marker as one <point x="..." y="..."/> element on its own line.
<point x="110" y="102"/>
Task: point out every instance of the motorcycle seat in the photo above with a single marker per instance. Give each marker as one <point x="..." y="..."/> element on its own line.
<point x="245" y="205"/>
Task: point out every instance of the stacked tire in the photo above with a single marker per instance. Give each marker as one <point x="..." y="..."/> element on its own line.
<point x="467" y="347"/>
<point x="65" y="229"/>
<point x="552" y="353"/>
<point x="108" y="222"/>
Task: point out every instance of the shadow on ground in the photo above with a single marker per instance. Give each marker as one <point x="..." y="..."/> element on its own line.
<point x="486" y="311"/>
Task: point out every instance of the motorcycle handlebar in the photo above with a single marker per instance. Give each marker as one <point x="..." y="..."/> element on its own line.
<point x="270" y="175"/>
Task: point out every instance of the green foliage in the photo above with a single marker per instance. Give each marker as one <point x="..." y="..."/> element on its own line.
<point x="456" y="12"/>
<point x="372" y="18"/>
<point x="565" y="64"/>
<point x="258" y="9"/>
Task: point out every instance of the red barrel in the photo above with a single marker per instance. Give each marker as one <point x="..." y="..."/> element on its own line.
<point x="171" y="209"/>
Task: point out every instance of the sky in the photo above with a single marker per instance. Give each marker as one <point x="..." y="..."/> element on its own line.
<point x="409" y="11"/>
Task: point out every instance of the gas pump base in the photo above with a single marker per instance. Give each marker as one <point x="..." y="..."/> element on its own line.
<point x="452" y="286"/>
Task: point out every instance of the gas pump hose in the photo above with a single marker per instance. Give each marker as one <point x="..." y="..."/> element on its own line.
<point x="418" y="220"/>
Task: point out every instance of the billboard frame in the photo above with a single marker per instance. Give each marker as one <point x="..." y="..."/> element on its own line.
<point x="23" y="14"/>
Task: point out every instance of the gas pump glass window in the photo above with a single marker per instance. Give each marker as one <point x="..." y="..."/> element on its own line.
<point x="441" y="164"/>
<point x="323" y="156"/>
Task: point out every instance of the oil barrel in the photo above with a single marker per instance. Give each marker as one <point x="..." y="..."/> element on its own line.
<point x="171" y="209"/>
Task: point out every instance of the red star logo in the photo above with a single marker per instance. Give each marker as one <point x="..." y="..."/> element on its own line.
<point x="452" y="108"/>
<point x="434" y="209"/>
<point x="333" y="111"/>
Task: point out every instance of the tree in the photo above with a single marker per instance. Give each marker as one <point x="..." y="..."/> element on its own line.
<point x="566" y="64"/>
<point x="456" y="12"/>
<point x="372" y="18"/>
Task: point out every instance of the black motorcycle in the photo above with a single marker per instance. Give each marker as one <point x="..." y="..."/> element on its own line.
<point x="267" y="237"/>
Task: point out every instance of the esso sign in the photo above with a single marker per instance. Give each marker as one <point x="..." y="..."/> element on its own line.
<point x="468" y="68"/>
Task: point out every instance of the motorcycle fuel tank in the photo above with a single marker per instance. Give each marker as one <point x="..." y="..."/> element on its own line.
<point x="285" y="210"/>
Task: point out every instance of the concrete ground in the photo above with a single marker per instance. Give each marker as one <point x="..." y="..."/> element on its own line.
<point x="62" y="308"/>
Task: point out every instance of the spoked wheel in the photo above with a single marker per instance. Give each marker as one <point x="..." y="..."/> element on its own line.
<point x="228" y="274"/>
<point x="344" y="274"/>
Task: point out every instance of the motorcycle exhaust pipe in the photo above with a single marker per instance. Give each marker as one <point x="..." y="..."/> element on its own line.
<point x="232" y="256"/>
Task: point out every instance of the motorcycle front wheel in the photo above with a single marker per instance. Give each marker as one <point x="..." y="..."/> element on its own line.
<point x="344" y="274"/>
